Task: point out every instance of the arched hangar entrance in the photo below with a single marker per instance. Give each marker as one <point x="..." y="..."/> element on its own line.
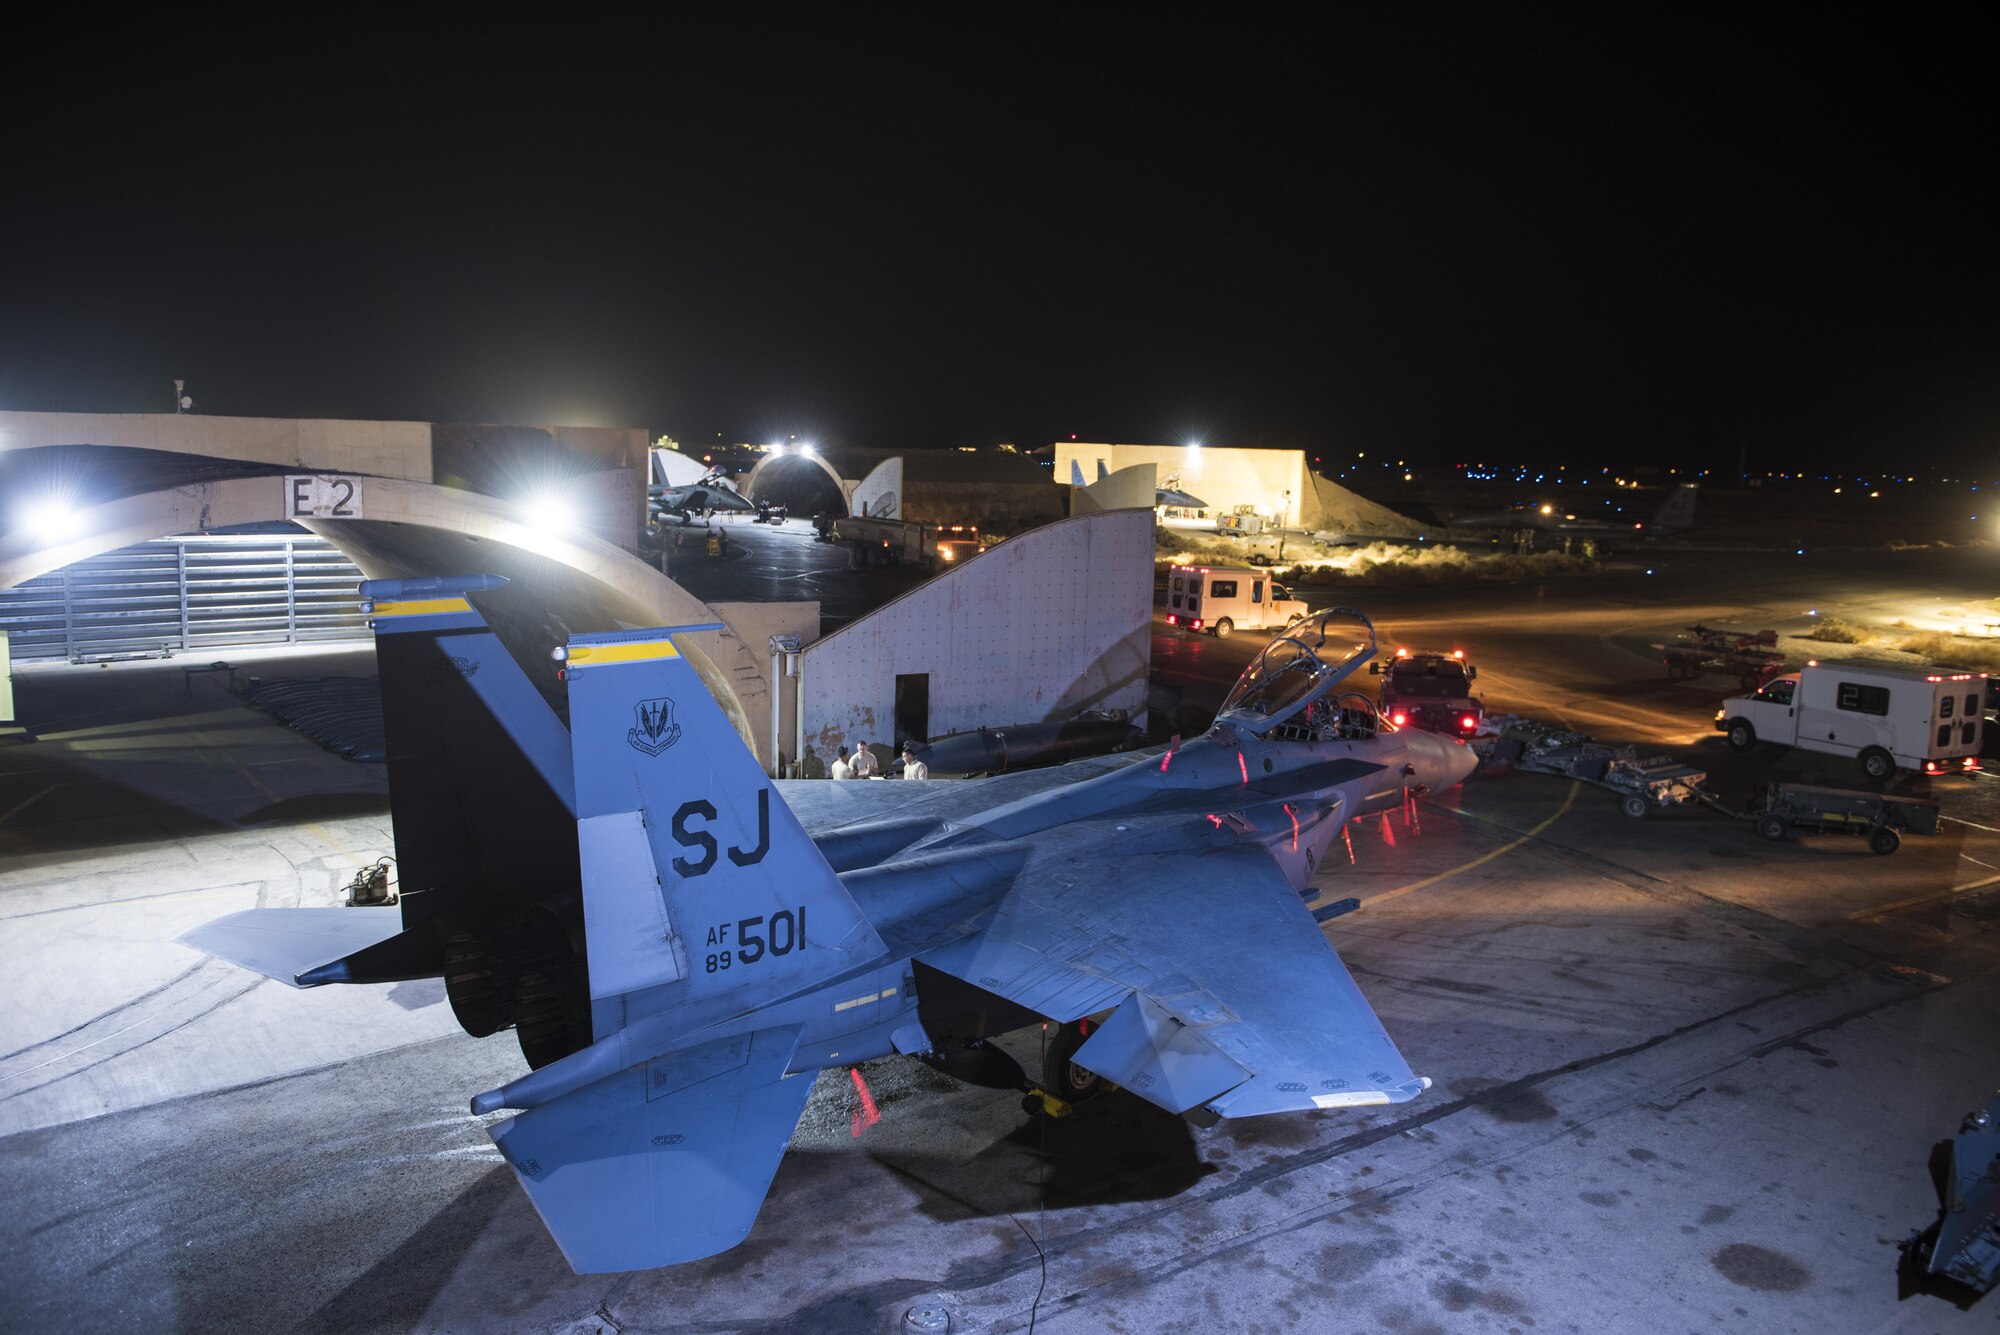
<point x="804" y="483"/>
<point x="559" y="582"/>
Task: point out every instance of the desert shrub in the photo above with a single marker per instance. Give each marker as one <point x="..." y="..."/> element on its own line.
<point x="1832" y="630"/>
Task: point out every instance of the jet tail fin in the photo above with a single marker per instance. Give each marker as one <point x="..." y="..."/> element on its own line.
<point x="695" y="872"/>
<point x="482" y="813"/>
<point x="1677" y="511"/>
<point x="666" y="1161"/>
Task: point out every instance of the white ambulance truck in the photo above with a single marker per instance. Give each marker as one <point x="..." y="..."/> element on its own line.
<point x="1221" y="599"/>
<point x="1886" y="718"/>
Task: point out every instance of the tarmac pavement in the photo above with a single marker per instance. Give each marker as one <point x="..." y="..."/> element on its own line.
<point x="1685" y="1079"/>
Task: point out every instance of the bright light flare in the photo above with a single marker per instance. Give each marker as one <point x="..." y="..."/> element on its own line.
<point x="550" y="512"/>
<point x="52" y="519"/>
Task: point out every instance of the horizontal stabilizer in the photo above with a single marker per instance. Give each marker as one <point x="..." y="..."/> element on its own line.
<point x="666" y="1161"/>
<point x="285" y="943"/>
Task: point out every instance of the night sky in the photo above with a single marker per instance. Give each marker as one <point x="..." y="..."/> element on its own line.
<point x="1663" y="234"/>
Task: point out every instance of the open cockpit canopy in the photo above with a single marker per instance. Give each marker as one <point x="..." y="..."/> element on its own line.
<point x="1308" y="660"/>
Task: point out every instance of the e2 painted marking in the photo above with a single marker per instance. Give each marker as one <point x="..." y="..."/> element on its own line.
<point x="322" y="496"/>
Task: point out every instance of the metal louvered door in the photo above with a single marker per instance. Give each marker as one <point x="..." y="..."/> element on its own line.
<point x="176" y="595"/>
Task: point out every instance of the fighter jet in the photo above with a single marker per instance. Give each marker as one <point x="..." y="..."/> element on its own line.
<point x="1675" y="515"/>
<point x="680" y="942"/>
<point x="712" y="493"/>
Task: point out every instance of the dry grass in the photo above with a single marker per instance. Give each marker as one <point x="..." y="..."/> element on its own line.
<point x="1941" y="650"/>
<point x="1833" y="630"/>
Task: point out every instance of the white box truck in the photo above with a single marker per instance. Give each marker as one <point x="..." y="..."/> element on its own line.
<point x="1221" y="599"/>
<point x="1886" y="718"/>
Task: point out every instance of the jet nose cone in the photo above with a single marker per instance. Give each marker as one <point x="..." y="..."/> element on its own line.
<point x="1441" y="762"/>
<point x="1460" y="761"/>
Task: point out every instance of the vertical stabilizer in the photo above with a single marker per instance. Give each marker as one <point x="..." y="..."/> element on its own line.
<point x="695" y="870"/>
<point x="1677" y="511"/>
<point x="482" y="813"/>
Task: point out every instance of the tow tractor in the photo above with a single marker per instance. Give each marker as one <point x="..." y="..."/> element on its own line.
<point x="1430" y="689"/>
<point x="1752" y="657"/>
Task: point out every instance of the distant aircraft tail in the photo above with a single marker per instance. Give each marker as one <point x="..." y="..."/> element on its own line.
<point x="483" y="821"/>
<point x="1677" y="510"/>
<point x="1076" y="472"/>
<point x="695" y="873"/>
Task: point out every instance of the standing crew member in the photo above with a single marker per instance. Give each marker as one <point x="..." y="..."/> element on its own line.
<point x="914" y="768"/>
<point x="864" y="762"/>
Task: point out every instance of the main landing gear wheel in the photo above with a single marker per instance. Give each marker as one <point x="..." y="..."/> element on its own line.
<point x="1063" y="1077"/>
<point x="1741" y="736"/>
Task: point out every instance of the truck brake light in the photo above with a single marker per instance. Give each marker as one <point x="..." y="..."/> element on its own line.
<point x="1467" y="722"/>
<point x="1195" y="624"/>
<point x="1173" y="620"/>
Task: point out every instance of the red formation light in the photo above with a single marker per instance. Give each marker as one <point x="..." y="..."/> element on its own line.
<point x="1467" y="722"/>
<point x="1243" y="768"/>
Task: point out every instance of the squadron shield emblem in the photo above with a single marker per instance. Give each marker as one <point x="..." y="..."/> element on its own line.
<point x="655" y="730"/>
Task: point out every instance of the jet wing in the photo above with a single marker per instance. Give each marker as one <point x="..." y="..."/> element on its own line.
<point x="1228" y="994"/>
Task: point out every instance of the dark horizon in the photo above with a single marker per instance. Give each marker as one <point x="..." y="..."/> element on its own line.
<point x="1446" y="234"/>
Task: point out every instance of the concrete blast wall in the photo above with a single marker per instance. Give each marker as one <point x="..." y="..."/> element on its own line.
<point x="880" y="494"/>
<point x="1276" y="483"/>
<point x="1043" y="627"/>
<point x="1273" y="481"/>
<point x="1133" y="488"/>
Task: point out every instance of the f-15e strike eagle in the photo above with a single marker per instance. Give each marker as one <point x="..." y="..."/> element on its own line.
<point x="680" y="942"/>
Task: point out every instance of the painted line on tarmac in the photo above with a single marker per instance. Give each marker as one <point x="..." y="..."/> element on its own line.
<point x="1970" y="824"/>
<point x="1483" y="859"/>
<point x="1923" y="899"/>
<point x="22" y="806"/>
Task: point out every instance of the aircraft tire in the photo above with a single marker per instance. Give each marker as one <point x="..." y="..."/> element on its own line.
<point x="1063" y="1077"/>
